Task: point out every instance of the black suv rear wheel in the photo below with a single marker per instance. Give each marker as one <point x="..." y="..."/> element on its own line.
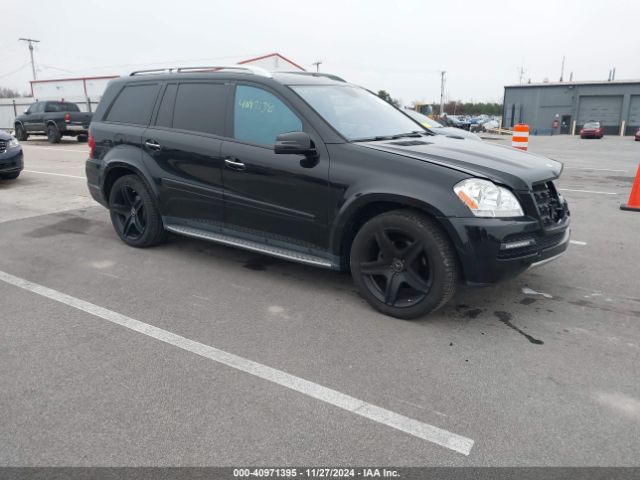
<point x="134" y="214"/>
<point x="403" y="264"/>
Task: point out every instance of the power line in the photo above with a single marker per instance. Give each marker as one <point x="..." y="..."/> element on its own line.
<point x="14" y="71"/>
<point x="31" y="41"/>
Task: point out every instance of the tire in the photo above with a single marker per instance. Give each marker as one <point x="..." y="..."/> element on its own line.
<point x="403" y="264"/>
<point x="134" y="214"/>
<point x="53" y="134"/>
<point x="81" y="138"/>
<point x="21" y="133"/>
<point x="9" y="176"/>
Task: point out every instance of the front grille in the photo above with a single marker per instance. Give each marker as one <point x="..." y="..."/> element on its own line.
<point x="550" y="207"/>
<point x="3" y="146"/>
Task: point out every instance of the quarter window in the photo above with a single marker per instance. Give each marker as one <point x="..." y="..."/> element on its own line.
<point x="259" y="116"/>
<point x="134" y="104"/>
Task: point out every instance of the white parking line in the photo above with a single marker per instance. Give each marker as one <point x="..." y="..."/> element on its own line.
<point x="586" y="191"/>
<point x="577" y="242"/>
<point x="56" y="174"/>
<point x="595" y="169"/>
<point x="351" y="404"/>
<point x="86" y="152"/>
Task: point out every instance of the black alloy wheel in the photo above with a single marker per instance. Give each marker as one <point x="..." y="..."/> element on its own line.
<point x="403" y="264"/>
<point x="130" y="212"/>
<point x="134" y="214"/>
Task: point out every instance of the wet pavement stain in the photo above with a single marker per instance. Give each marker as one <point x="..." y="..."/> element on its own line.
<point x="505" y="317"/>
<point x="467" y="311"/>
<point x="77" y="225"/>
<point x="527" y="301"/>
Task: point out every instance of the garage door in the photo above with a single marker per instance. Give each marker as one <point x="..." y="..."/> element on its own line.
<point x="606" y="109"/>
<point x="634" y="112"/>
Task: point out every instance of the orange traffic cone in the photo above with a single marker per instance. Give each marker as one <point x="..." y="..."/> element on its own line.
<point x="634" y="199"/>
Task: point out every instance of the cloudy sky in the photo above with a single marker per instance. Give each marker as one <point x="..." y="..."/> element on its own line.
<point x="398" y="45"/>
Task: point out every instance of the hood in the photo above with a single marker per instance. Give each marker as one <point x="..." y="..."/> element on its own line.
<point x="500" y="164"/>
<point x="455" y="132"/>
<point x="4" y="135"/>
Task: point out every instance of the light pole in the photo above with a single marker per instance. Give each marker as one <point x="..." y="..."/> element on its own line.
<point x="442" y="93"/>
<point x="31" y="41"/>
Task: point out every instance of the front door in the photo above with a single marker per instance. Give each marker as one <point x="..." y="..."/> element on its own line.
<point x="273" y="197"/>
<point x="183" y="147"/>
<point x="33" y="121"/>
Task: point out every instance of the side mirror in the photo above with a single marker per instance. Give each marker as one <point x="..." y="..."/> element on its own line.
<point x="26" y="111"/>
<point x="294" y="143"/>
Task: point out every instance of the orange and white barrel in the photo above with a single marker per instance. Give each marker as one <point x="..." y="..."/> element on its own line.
<point x="520" y="137"/>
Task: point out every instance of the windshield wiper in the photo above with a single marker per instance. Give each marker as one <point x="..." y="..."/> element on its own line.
<point x="373" y="139"/>
<point x="414" y="134"/>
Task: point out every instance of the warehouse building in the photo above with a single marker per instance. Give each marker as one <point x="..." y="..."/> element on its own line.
<point x="563" y="107"/>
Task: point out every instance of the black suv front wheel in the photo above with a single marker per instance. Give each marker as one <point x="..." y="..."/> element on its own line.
<point x="134" y="214"/>
<point x="403" y="264"/>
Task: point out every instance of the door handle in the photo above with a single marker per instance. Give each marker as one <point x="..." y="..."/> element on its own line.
<point x="234" y="163"/>
<point x="152" y="145"/>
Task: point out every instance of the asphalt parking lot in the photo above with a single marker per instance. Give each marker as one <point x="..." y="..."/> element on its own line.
<point x="541" y="370"/>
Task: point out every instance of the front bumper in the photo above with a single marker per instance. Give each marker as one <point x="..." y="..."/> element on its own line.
<point x="11" y="160"/>
<point x="485" y="250"/>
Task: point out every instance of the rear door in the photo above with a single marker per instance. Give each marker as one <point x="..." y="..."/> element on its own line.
<point x="269" y="196"/>
<point x="183" y="147"/>
<point x="128" y="116"/>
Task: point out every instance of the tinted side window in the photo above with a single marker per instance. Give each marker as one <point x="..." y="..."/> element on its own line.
<point x="165" y="112"/>
<point x="200" y="107"/>
<point x="134" y="104"/>
<point x="259" y="116"/>
<point x="36" y="107"/>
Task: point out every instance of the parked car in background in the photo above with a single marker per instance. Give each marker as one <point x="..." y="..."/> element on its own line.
<point x="53" y="119"/>
<point x="638" y="135"/>
<point x="438" y="128"/>
<point x="455" y="121"/>
<point x="592" y="130"/>
<point x="11" y="162"/>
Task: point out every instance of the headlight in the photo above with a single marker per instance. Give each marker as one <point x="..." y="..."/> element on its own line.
<point x="13" y="143"/>
<point x="486" y="199"/>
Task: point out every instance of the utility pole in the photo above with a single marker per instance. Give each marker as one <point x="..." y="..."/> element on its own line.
<point x="31" y="41"/>
<point x="317" y="65"/>
<point x="562" y="69"/>
<point x="442" y="81"/>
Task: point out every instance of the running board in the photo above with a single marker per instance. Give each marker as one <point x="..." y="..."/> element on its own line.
<point x="250" y="245"/>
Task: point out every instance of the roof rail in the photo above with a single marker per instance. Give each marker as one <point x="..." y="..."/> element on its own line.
<point x="319" y="74"/>
<point x="212" y="68"/>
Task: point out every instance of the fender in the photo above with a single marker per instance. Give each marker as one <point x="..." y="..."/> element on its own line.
<point x="356" y="203"/>
<point x="116" y="159"/>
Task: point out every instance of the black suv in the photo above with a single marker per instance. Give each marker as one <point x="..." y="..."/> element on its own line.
<point x="310" y="168"/>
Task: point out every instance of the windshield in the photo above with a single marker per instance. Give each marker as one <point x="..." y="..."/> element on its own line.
<point x="355" y="112"/>
<point x="592" y="125"/>
<point x="423" y="119"/>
